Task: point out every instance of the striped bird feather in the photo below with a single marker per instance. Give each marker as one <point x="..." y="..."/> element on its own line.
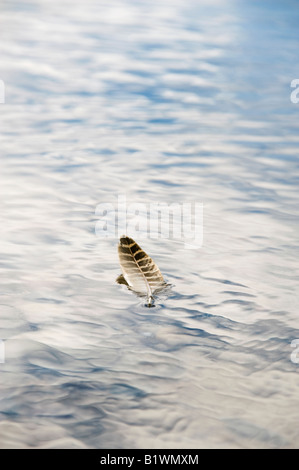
<point x="139" y="270"/>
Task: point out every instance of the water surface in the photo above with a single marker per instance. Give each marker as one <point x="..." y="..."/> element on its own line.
<point x="159" y="101"/>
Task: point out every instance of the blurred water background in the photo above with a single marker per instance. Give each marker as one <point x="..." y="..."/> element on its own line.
<point x="165" y="101"/>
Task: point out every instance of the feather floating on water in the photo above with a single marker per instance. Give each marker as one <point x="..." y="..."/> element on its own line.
<point x="139" y="270"/>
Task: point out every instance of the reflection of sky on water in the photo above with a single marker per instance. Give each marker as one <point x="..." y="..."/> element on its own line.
<point x="160" y="101"/>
